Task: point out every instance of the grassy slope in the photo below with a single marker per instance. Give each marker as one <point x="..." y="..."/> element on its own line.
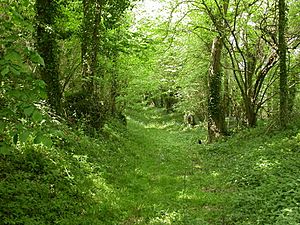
<point x="153" y="173"/>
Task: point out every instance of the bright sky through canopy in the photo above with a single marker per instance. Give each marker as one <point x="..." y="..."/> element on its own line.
<point x="158" y="12"/>
<point x="149" y="9"/>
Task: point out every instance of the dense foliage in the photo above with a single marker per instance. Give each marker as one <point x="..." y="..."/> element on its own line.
<point x="151" y="112"/>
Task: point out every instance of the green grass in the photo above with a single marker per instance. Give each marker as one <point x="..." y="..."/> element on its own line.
<point x="153" y="172"/>
<point x="168" y="183"/>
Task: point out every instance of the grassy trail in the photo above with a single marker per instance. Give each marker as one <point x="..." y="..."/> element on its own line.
<point x="166" y="178"/>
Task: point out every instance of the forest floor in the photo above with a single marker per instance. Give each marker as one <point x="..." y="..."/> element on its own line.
<point x="152" y="172"/>
<point x="168" y="177"/>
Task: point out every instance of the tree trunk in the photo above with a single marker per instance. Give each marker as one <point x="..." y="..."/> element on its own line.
<point x="226" y="97"/>
<point x="114" y="87"/>
<point x="292" y="91"/>
<point x="47" y="47"/>
<point x="216" y="116"/>
<point x="283" y="85"/>
<point x="249" y="97"/>
<point x="92" y="10"/>
<point x="251" y="112"/>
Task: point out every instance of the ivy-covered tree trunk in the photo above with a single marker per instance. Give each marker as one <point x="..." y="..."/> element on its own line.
<point x="283" y="85"/>
<point x="46" y="44"/>
<point x="216" y="116"/>
<point x="92" y="10"/>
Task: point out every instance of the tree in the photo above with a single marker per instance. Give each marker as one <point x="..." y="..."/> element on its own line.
<point x="252" y="53"/>
<point x="92" y="11"/>
<point x="46" y="44"/>
<point x="216" y="114"/>
<point x="292" y="36"/>
<point x="282" y="47"/>
<point x="94" y="98"/>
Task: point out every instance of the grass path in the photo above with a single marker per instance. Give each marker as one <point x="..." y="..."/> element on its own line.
<point x="166" y="177"/>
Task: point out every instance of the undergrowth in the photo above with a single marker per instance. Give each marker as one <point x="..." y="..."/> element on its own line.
<point x="262" y="167"/>
<point x="265" y="171"/>
<point x="152" y="172"/>
<point x="60" y="182"/>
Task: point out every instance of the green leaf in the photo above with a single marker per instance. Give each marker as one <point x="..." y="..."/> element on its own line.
<point x="47" y="141"/>
<point x="24" y="68"/>
<point x="37" y="116"/>
<point x="5" y="71"/>
<point x="24" y="136"/>
<point x="15" y="93"/>
<point x="41" y="84"/>
<point x="17" y="16"/>
<point x="43" y="139"/>
<point x="38" y="139"/>
<point x="14" y="57"/>
<point x="43" y="94"/>
<point x="15" y="71"/>
<point x="2" y="126"/>
<point x="28" y="26"/>
<point x="36" y="58"/>
<point x="6" y="112"/>
<point x="29" y="110"/>
<point x="5" y="149"/>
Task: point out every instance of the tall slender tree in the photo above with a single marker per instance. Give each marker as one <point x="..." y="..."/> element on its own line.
<point x="92" y="10"/>
<point x="282" y="48"/>
<point x="216" y="116"/>
<point x="46" y="44"/>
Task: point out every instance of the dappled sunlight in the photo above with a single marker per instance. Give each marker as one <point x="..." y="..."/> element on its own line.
<point x="215" y="174"/>
<point x="155" y="117"/>
<point x="156" y="191"/>
<point x="101" y="184"/>
<point x="183" y="195"/>
<point x="170" y="125"/>
<point x="163" y="178"/>
<point x="183" y="178"/>
<point x="166" y="217"/>
<point x="164" y="126"/>
<point x="152" y="118"/>
<point x="266" y="164"/>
